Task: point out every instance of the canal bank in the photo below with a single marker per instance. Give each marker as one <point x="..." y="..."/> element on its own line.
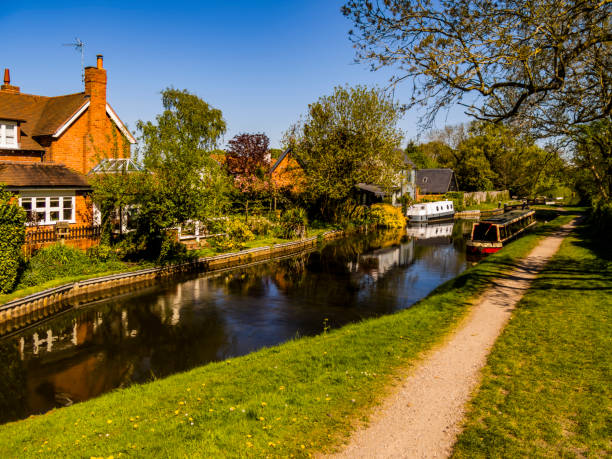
<point x="24" y="311"/>
<point x="289" y="399"/>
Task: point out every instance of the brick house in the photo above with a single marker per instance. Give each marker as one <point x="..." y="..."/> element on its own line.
<point x="49" y="144"/>
<point x="287" y="173"/>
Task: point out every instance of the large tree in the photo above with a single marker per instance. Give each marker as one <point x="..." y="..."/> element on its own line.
<point x="348" y="137"/>
<point x="544" y="64"/>
<point x="181" y="180"/>
<point x="248" y="160"/>
<point x="593" y="157"/>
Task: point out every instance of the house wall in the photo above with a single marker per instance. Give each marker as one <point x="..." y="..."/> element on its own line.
<point x="289" y="174"/>
<point x="78" y="149"/>
<point x="20" y="156"/>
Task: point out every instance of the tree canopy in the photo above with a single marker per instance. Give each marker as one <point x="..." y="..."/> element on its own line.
<point x="348" y="137"/>
<point x="181" y="180"/>
<point x="544" y="64"/>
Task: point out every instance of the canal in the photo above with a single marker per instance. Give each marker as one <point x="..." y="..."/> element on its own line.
<point x="182" y="323"/>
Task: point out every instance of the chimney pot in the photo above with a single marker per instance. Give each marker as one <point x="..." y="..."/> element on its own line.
<point x="99" y="58"/>
<point x="7" y="77"/>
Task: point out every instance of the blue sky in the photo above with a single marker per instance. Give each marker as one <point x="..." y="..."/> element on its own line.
<point x="260" y="62"/>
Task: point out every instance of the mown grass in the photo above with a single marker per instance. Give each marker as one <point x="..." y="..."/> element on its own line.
<point x="294" y="399"/>
<point x="547" y="386"/>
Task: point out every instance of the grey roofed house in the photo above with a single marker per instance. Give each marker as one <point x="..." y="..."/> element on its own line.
<point x="436" y="181"/>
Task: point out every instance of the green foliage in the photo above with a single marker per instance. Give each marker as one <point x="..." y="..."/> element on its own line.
<point x="601" y="220"/>
<point x="593" y="160"/>
<point x="497" y="157"/>
<point x="238" y="231"/>
<point x="12" y="237"/>
<point x="59" y="260"/>
<point x="346" y="138"/>
<point x="387" y="216"/>
<point x="421" y="156"/>
<point x="293" y="223"/>
<point x="182" y="180"/>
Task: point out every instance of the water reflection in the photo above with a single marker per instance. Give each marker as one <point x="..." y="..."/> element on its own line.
<point x="171" y="327"/>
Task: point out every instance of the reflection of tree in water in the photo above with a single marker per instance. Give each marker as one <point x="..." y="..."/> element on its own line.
<point x="12" y="382"/>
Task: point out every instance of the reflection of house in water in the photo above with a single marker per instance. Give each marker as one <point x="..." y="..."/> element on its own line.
<point x="378" y="262"/>
<point x="431" y="233"/>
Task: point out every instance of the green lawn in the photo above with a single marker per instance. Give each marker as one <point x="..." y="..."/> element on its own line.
<point x="547" y="387"/>
<point x="293" y="399"/>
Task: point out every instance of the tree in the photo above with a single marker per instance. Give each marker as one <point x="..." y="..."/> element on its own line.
<point x="346" y="138"/>
<point x="421" y="157"/>
<point x="593" y="155"/>
<point x="181" y="181"/>
<point x="12" y="237"/>
<point x="544" y="64"/>
<point x="247" y="161"/>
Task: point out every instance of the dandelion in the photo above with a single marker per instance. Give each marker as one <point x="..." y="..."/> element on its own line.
<point x="135" y="426"/>
<point x="176" y="411"/>
<point x="261" y="418"/>
<point x="189" y="389"/>
<point x="281" y="388"/>
<point x="132" y="419"/>
<point x="249" y="435"/>
<point x="327" y="399"/>
<point x="191" y="419"/>
<point x="210" y="410"/>
<point x="294" y="419"/>
<point x="232" y="408"/>
<point x="249" y="444"/>
<point x="181" y="403"/>
<point x="271" y="444"/>
<point x="302" y="446"/>
<point x="199" y="399"/>
<point x="263" y="403"/>
<point x="110" y="421"/>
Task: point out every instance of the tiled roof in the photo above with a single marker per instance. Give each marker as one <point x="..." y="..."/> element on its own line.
<point x="24" y="174"/>
<point x="40" y="115"/>
<point x="435" y="181"/>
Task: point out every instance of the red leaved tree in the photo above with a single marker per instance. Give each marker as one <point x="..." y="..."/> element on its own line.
<point x="248" y="161"/>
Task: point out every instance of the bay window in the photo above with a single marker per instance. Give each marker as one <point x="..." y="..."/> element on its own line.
<point x="48" y="210"/>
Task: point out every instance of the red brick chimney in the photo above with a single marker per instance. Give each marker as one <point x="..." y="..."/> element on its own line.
<point x="7" y="87"/>
<point x="95" y="88"/>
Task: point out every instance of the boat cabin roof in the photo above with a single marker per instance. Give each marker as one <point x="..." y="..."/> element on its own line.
<point x="507" y="217"/>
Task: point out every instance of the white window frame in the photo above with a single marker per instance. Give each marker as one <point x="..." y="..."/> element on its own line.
<point x="3" y="140"/>
<point x="61" y="196"/>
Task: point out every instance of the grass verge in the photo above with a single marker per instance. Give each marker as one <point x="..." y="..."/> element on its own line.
<point x="546" y="390"/>
<point x="294" y="399"/>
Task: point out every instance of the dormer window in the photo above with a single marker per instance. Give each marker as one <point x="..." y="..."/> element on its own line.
<point x="8" y="134"/>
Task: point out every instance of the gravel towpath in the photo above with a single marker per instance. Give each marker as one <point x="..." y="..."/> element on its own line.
<point x="423" y="416"/>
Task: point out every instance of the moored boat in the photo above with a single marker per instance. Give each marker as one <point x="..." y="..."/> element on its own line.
<point x="490" y="235"/>
<point x="431" y="211"/>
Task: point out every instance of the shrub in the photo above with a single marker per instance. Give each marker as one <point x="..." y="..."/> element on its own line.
<point x="238" y="231"/>
<point x="57" y="261"/>
<point x="387" y="216"/>
<point x="12" y="237"/>
<point x="293" y="223"/>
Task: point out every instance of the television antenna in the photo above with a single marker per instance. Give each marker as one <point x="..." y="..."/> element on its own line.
<point x="78" y="45"/>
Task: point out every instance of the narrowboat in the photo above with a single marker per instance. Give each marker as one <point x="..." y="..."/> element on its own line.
<point x="490" y="235"/>
<point x="431" y="211"/>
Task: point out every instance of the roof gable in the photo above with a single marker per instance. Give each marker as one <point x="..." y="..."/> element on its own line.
<point x="41" y="115"/>
<point x="434" y="181"/>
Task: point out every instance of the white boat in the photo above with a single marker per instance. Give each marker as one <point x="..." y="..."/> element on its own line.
<point x="428" y="211"/>
<point x="430" y="231"/>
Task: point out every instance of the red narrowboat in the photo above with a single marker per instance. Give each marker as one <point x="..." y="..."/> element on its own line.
<point x="490" y="235"/>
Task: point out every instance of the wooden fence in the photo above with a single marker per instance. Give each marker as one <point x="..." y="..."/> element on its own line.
<point x="37" y="238"/>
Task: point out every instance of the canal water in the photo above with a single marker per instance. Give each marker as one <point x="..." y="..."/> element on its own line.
<point x="179" y="324"/>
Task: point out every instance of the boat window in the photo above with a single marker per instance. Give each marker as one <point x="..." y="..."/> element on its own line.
<point x="485" y="232"/>
<point x="437" y="209"/>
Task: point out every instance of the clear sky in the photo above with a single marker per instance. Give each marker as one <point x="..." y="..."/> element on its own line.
<point x="260" y="62"/>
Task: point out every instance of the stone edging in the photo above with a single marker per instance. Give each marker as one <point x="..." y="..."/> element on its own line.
<point x="29" y="309"/>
